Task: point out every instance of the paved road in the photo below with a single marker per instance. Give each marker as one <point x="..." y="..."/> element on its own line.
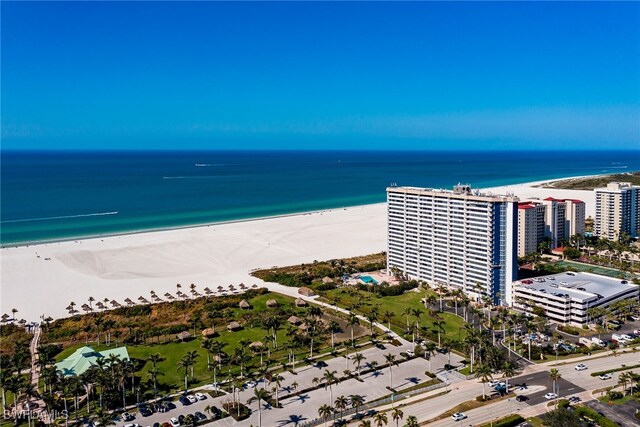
<point x="622" y="414"/>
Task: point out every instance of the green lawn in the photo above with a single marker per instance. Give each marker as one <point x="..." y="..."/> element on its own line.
<point x="172" y="379"/>
<point x="454" y="325"/>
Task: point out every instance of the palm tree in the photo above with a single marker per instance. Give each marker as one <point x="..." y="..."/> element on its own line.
<point x="259" y="394"/>
<point x="277" y="380"/>
<point x="341" y="404"/>
<point x="365" y="423"/>
<point x="508" y="370"/>
<point x="357" y="360"/>
<point x="391" y="360"/>
<point x="407" y="312"/>
<point x="429" y="351"/>
<point x="484" y="373"/>
<point x="185" y="363"/>
<point x="154" y="359"/>
<point x="397" y="415"/>
<point x="352" y="321"/>
<point x="623" y="380"/>
<point x="439" y="324"/>
<point x="356" y="401"/>
<point x="381" y="419"/>
<point x="333" y="327"/>
<point x="554" y="375"/>
<point x="325" y="412"/>
<point x="103" y="418"/>
<point x="387" y="316"/>
<point x="412" y="421"/>
<point x="329" y="378"/>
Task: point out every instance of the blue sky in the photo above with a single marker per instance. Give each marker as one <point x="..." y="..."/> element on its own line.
<point x="212" y="75"/>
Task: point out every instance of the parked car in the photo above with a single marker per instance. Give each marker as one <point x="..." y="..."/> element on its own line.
<point x="192" y="398"/>
<point x="127" y="416"/>
<point x="410" y="353"/>
<point x="458" y="416"/>
<point x="200" y="396"/>
<point x="184" y="400"/>
<point x="574" y="399"/>
<point x="200" y="416"/>
<point x="145" y="412"/>
<point x="174" y="422"/>
<point x="493" y="383"/>
<point x="521" y="398"/>
<point x="550" y="396"/>
<point x="215" y="412"/>
<point x="581" y="367"/>
<point x="251" y="384"/>
<point x="605" y="377"/>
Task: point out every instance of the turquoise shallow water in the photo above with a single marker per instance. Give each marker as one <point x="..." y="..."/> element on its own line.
<point x="61" y="195"/>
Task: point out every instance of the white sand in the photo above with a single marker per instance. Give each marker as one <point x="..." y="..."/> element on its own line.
<point x="130" y="266"/>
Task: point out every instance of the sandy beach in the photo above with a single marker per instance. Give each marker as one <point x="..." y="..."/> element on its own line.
<point x="43" y="279"/>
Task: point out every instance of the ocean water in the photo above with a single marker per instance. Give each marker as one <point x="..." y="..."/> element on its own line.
<point x="62" y="195"/>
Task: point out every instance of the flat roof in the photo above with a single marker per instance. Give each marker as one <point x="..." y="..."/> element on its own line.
<point x="472" y="194"/>
<point x="580" y="286"/>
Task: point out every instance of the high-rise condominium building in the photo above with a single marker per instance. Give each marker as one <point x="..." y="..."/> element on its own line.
<point x="458" y="238"/>
<point x="555" y="219"/>
<point x="617" y="210"/>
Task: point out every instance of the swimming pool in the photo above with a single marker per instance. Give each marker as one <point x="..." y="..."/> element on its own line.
<point x="368" y="279"/>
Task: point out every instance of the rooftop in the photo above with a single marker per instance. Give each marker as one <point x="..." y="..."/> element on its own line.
<point x="459" y="192"/>
<point x="578" y="286"/>
<point x="84" y="357"/>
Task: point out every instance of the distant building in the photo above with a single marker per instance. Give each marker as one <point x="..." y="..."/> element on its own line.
<point x="617" y="210"/>
<point x="85" y="357"/>
<point x="566" y="297"/>
<point x="459" y="238"/>
<point x="530" y="226"/>
<point x="553" y="219"/>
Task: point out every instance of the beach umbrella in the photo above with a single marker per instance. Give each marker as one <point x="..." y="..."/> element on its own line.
<point x="167" y="295"/>
<point x="114" y="303"/>
<point x="207" y="290"/>
<point x="254" y="286"/>
<point x="5" y="317"/>
<point x="22" y="322"/>
<point x="141" y="298"/>
<point x="220" y="288"/>
<point x="194" y="292"/>
<point x="69" y="307"/>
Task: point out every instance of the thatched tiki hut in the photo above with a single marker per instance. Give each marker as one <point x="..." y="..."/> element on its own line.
<point x="327" y="279"/>
<point x="272" y="303"/>
<point x="294" y="320"/>
<point x="234" y="326"/>
<point x="244" y="305"/>
<point x="183" y="335"/>
<point x="209" y="332"/>
<point x="301" y="303"/>
<point x="307" y="292"/>
<point x="255" y="345"/>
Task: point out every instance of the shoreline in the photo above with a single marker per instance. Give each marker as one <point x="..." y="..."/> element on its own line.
<point x="535" y="184"/>
<point x="41" y="279"/>
<point x="179" y="227"/>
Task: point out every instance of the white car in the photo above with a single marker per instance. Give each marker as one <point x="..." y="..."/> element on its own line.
<point x="174" y="422"/>
<point x="581" y="367"/>
<point x="493" y="383"/>
<point x="550" y="396"/>
<point x="458" y="416"/>
<point x="605" y="377"/>
<point x="251" y="384"/>
<point x="410" y="353"/>
<point x="192" y="398"/>
<point x="200" y="396"/>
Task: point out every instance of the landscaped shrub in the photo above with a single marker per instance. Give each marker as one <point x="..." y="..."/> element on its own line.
<point x="569" y="329"/>
<point x="563" y="403"/>
<point x="232" y="409"/>
<point x="510" y="421"/>
<point x="614" y="395"/>
<point x="602" y="421"/>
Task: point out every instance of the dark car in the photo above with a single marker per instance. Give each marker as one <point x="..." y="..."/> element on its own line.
<point x="145" y="411"/>
<point x="521" y="398"/>
<point x="381" y="346"/>
<point x="184" y="400"/>
<point x="200" y="416"/>
<point x="215" y="412"/>
<point x="156" y="424"/>
<point x="321" y="364"/>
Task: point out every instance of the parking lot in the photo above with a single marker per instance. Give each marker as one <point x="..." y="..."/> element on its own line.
<point x="298" y="408"/>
